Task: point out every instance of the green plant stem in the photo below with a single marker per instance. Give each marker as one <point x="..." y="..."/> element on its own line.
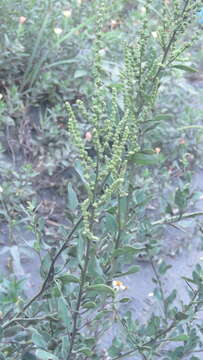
<point x="161" y="290"/>
<point x="159" y="334"/>
<point x="117" y="240"/>
<point x="76" y="312"/>
<point x="34" y="319"/>
<point x="172" y="219"/>
<point x="164" y="57"/>
<point x="171" y="41"/>
<point x="48" y="279"/>
<point x="84" y="270"/>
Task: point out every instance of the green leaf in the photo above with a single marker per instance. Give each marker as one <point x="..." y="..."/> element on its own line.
<point x="16" y="260"/>
<point x="87" y="351"/>
<point x="94" y="268"/>
<point x="163" y="267"/>
<point x="25" y="356"/>
<point x="89" y="305"/>
<point x="185" y="68"/>
<point x="45" y="355"/>
<point x="72" y="198"/>
<point x="131" y="270"/>
<point x="45" y="265"/>
<point x="148" y="151"/>
<point x="65" y="346"/>
<point x="110" y="223"/>
<point x="102" y="314"/>
<point x="63" y="312"/>
<point x="153" y="325"/>
<point x="180" y="338"/>
<point x="101" y="289"/>
<point x="127" y="250"/>
<point x="123" y="208"/>
<point x="80" y="73"/>
<point x="162" y="117"/>
<point x="181" y="316"/>
<point x="169" y="300"/>
<point x="38" y="339"/>
<point x="141" y="198"/>
<point x="145" y="159"/>
<point x="124" y="300"/>
<point x="90" y="341"/>
<point x="80" y="248"/>
<point x="72" y="251"/>
<point x="151" y="127"/>
<point x="189" y="280"/>
<point x="199" y="127"/>
<point x="181" y="199"/>
<point x="80" y="171"/>
<point x="68" y="278"/>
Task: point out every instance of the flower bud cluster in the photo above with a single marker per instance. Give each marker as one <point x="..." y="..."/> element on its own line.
<point x="110" y="121"/>
<point x="82" y="109"/>
<point x="87" y="162"/>
<point x="109" y="191"/>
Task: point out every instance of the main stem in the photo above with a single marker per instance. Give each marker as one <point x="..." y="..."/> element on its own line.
<point x="84" y="270"/>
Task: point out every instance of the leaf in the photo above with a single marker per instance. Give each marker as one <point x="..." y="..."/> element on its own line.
<point x="45" y="265"/>
<point x="148" y="151"/>
<point x="61" y="62"/>
<point x="101" y="289"/>
<point x="89" y="305"/>
<point x="25" y="356"/>
<point x="94" y="268"/>
<point x="72" y="251"/>
<point x="45" y="355"/>
<point x="72" y="198"/>
<point x="181" y="199"/>
<point x="163" y="267"/>
<point x="87" y="351"/>
<point x="80" y="73"/>
<point x="124" y="300"/>
<point x="153" y="325"/>
<point x="80" y="248"/>
<point x="169" y="300"/>
<point x="131" y="270"/>
<point x="65" y="346"/>
<point x="151" y="127"/>
<point x="144" y="159"/>
<point x="79" y="170"/>
<point x="102" y="314"/>
<point x="182" y="337"/>
<point x="110" y="223"/>
<point x="181" y="316"/>
<point x="41" y="223"/>
<point x="68" y="278"/>
<point x="189" y="280"/>
<point x="123" y="207"/>
<point x="18" y="269"/>
<point x="185" y="68"/>
<point x="142" y="198"/>
<point x="162" y="117"/>
<point x="127" y="250"/>
<point x="38" y="339"/>
<point x="64" y="312"/>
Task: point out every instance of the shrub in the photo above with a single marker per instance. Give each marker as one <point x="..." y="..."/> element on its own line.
<point x="80" y="297"/>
